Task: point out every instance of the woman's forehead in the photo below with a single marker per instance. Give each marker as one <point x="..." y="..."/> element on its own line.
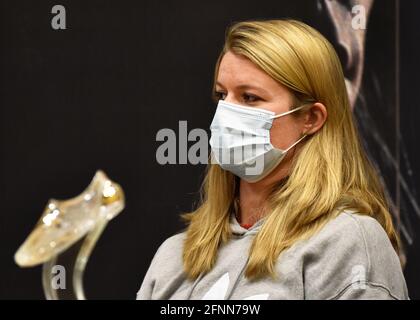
<point x="241" y="70"/>
<point x="238" y="72"/>
<point x="238" y="66"/>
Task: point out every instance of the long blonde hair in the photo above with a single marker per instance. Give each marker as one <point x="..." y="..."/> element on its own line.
<point x="330" y="173"/>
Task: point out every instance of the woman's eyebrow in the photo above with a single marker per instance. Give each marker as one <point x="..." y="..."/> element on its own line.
<point x="245" y="87"/>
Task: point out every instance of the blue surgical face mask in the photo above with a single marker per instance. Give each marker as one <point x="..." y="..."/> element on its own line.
<point x="240" y="140"/>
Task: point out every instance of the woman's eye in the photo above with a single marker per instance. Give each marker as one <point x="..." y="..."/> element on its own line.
<point x="247" y="98"/>
<point x="250" y="97"/>
<point x="219" y="95"/>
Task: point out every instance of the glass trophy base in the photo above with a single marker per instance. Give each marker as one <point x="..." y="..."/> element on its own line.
<point x="65" y="235"/>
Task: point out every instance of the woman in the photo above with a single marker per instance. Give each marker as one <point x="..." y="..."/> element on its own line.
<point x="301" y="214"/>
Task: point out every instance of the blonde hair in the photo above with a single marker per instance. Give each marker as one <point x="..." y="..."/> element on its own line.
<point x="331" y="172"/>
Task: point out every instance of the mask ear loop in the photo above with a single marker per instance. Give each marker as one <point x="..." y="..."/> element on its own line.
<point x="299" y="140"/>
<point x="288" y="112"/>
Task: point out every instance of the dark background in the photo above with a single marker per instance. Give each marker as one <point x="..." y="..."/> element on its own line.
<point x="94" y="96"/>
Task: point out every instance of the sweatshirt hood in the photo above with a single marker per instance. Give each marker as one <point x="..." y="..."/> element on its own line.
<point x="238" y="230"/>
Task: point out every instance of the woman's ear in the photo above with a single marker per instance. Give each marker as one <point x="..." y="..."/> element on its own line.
<point x="314" y="118"/>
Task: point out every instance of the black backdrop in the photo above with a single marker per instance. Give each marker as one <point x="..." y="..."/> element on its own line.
<point x="95" y="95"/>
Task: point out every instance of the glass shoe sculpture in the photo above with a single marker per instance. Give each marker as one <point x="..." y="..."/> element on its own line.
<point x="67" y="232"/>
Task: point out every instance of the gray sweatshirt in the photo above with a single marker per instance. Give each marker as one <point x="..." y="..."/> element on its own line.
<point x="351" y="257"/>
